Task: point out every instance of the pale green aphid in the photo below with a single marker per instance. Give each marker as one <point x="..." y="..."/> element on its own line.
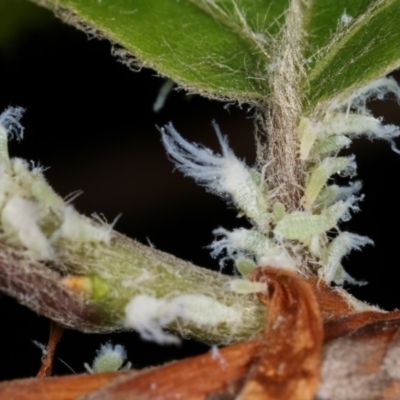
<point x="308" y="135"/>
<point x="331" y="144"/>
<point x="109" y="358"/>
<point x="245" y="266"/>
<point x="320" y="176"/>
<point x="279" y="210"/>
<point x="243" y="286"/>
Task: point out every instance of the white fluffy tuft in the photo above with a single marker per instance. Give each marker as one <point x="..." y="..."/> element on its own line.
<point x="333" y="193"/>
<point x="9" y="120"/>
<point x="341" y="210"/>
<point x="20" y="218"/>
<point x="346" y="19"/>
<point x="237" y="242"/>
<point x="242" y="244"/>
<point x="217" y="172"/>
<point x="77" y="228"/>
<point x="366" y="123"/>
<point x="220" y="173"/>
<point x="377" y="89"/>
<point x="354" y="125"/>
<point x="278" y="258"/>
<point x="339" y="247"/>
<point x="344" y="192"/>
<point x="349" y="119"/>
<point x="148" y="315"/>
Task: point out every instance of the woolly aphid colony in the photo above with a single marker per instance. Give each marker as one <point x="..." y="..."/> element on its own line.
<point x="310" y="235"/>
<point x="35" y="220"/>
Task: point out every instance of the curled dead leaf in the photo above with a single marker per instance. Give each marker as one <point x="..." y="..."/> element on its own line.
<point x="288" y="363"/>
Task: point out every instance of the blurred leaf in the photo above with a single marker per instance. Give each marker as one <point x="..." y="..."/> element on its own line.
<point x="16" y="17"/>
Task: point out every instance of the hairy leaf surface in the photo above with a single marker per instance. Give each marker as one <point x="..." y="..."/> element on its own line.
<point x="218" y="48"/>
<point x="225" y="48"/>
<point x="351" y="44"/>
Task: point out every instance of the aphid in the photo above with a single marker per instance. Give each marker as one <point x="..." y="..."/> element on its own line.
<point x="109" y="358"/>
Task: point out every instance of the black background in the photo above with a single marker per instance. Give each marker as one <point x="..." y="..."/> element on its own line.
<point x="91" y="120"/>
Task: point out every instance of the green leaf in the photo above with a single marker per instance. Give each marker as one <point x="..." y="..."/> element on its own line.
<point x="325" y="19"/>
<point x="354" y="55"/>
<point x="217" y="48"/>
<point x="223" y="48"/>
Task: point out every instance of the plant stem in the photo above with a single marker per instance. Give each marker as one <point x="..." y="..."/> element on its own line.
<point x="284" y="169"/>
<point x="88" y="286"/>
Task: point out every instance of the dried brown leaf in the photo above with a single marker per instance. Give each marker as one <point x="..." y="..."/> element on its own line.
<point x="363" y="365"/>
<point x="199" y="378"/>
<point x="338" y="327"/>
<point x="57" y="388"/>
<point x="288" y="363"/>
<point x="331" y="301"/>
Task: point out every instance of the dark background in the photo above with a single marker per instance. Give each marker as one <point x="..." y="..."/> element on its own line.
<point x="91" y="120"/>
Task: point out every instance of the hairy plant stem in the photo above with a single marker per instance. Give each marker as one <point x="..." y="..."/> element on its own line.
<point x="284" y="169"/>
<point x="88" y="286"/>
